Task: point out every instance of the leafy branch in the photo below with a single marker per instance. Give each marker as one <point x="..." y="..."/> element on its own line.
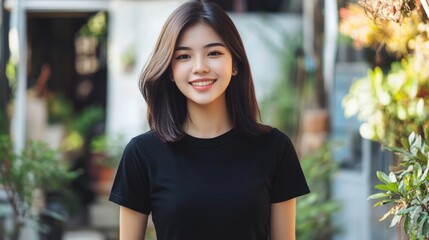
<point x="26" y="176"/>
<point x="408" y="188"/>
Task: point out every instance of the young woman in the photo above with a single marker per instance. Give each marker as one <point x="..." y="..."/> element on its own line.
<point x="207" y="169"/>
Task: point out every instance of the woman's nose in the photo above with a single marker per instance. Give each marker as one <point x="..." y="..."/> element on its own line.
<point x="200" y="65"/>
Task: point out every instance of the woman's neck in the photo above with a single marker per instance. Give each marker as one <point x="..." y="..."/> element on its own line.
<point x="208" y="121"/>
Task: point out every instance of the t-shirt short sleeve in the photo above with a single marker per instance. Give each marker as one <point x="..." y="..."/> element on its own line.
<point x="131" y="186"/>
<point x="288" y="180"/>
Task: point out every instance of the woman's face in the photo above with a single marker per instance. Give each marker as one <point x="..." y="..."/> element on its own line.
<point x="201" y="65"/>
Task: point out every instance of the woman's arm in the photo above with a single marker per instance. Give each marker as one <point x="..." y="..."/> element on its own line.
<point x="282" y="221"/>
<point x="132" y="224"/>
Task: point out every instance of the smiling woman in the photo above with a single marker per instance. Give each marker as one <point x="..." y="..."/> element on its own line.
<point x="208" y="169"/>
<point x="164" y="99"/>
<point x="202" y="67"/>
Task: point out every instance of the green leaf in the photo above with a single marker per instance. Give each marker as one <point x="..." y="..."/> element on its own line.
<point x="421" y="157"/>
<point x="392" y="177"/>
<point x="418" y="170"/>
<point x="412" y="138"/>
<point x="416" y="182"/>
<point x="417" y="210"/>
<point x="384" y="216"/>
<point x="405" y="211"/>
<point x="405" y="143"/>
<point x="403" y="185"/>
<point x="422" y="218"/>
<point x="399" y="150"/>
<point x="383" y="202"/>
<point x="378" y="195"/>
<point x="396" y="219"/>
<point x="383" y="177"/>
<point x="389" y="187"/>
<point x="425" y="229"/>
<point x="418" y="142"/>
<point x="407" y="225"/>
<point x="426" y="131"/>
<point x="425" y="174"/>
<point x="426" y="200"/>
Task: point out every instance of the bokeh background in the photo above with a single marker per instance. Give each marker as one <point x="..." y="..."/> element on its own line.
<point x="348" y="81"/>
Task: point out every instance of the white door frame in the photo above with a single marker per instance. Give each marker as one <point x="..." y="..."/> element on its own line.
<point x="18" y="46"/>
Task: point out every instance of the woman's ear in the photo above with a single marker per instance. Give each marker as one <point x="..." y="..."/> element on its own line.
<point x="234" y="70"/>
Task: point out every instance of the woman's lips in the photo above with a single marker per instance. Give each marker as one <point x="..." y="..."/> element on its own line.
<point x="202" y="84"/>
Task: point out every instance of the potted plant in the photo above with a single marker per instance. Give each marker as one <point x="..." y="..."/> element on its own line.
<point x="24" y="177"/>
<point x="106" y="151"/>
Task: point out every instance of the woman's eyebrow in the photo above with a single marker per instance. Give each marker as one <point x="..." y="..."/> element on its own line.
<point x="206" y="46"/>
<point x="216" y="44"/>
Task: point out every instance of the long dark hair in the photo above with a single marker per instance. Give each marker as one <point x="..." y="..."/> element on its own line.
<point x="167" y="109"/>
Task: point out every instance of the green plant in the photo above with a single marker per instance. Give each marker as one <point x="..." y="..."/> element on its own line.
<point x="80" y="127"/>
<point x="408" y="188"/>
<point x="313" y="223"/>
<point x="25" y="176"/>
<point x="281" y="107"/>
<point x="390" y="105"/>
<point x="128" y="58"/>
<point x="60" y="109"/>
<point x="11" y="73"/>
<point x="394" y="104"/>
<point x="84" y="121"/>
<point x="107" y="149"/>
<point x="95" y="27"/>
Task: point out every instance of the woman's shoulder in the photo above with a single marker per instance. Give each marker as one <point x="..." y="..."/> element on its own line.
<point x="274" y="139"/>
<point x="146" y="136"/>
<point x="274" y="134"/>
<point x="145" y="139"/>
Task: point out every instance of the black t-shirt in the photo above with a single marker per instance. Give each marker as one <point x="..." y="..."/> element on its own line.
<point x="217" y="188"/>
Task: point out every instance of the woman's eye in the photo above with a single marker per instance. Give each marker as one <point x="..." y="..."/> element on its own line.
<point x="183" y="56"/>
<point x="215" y="53"/>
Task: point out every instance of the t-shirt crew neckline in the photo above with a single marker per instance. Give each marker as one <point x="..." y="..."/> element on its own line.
<point x="209" y="142"/>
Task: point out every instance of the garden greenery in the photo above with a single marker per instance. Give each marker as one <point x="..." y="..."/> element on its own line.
<point x="107" y="150"/>
<point x="408" y="188"/>
<point x="394" y="103"/>
<point x="314" y="223"/>
<point x="25" y="177"/>
<point x="390" y="105"/>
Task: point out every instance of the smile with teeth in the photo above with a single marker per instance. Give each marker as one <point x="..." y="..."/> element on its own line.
<point x="203" y="83"/>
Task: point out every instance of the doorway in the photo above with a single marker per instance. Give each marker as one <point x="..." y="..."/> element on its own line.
<point x="67" y="71"/>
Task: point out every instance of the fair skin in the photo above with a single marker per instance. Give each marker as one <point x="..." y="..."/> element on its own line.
<point x="282" y="220"/>
<point x="132" y="224"/>
<point x="202" y="68"/>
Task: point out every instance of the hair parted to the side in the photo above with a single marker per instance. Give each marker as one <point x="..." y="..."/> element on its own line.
<point x="167" y="109"/>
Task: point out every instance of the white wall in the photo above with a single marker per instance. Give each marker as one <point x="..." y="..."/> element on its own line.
<point x="131" y="23"/>
<point x="258" y="31"/>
